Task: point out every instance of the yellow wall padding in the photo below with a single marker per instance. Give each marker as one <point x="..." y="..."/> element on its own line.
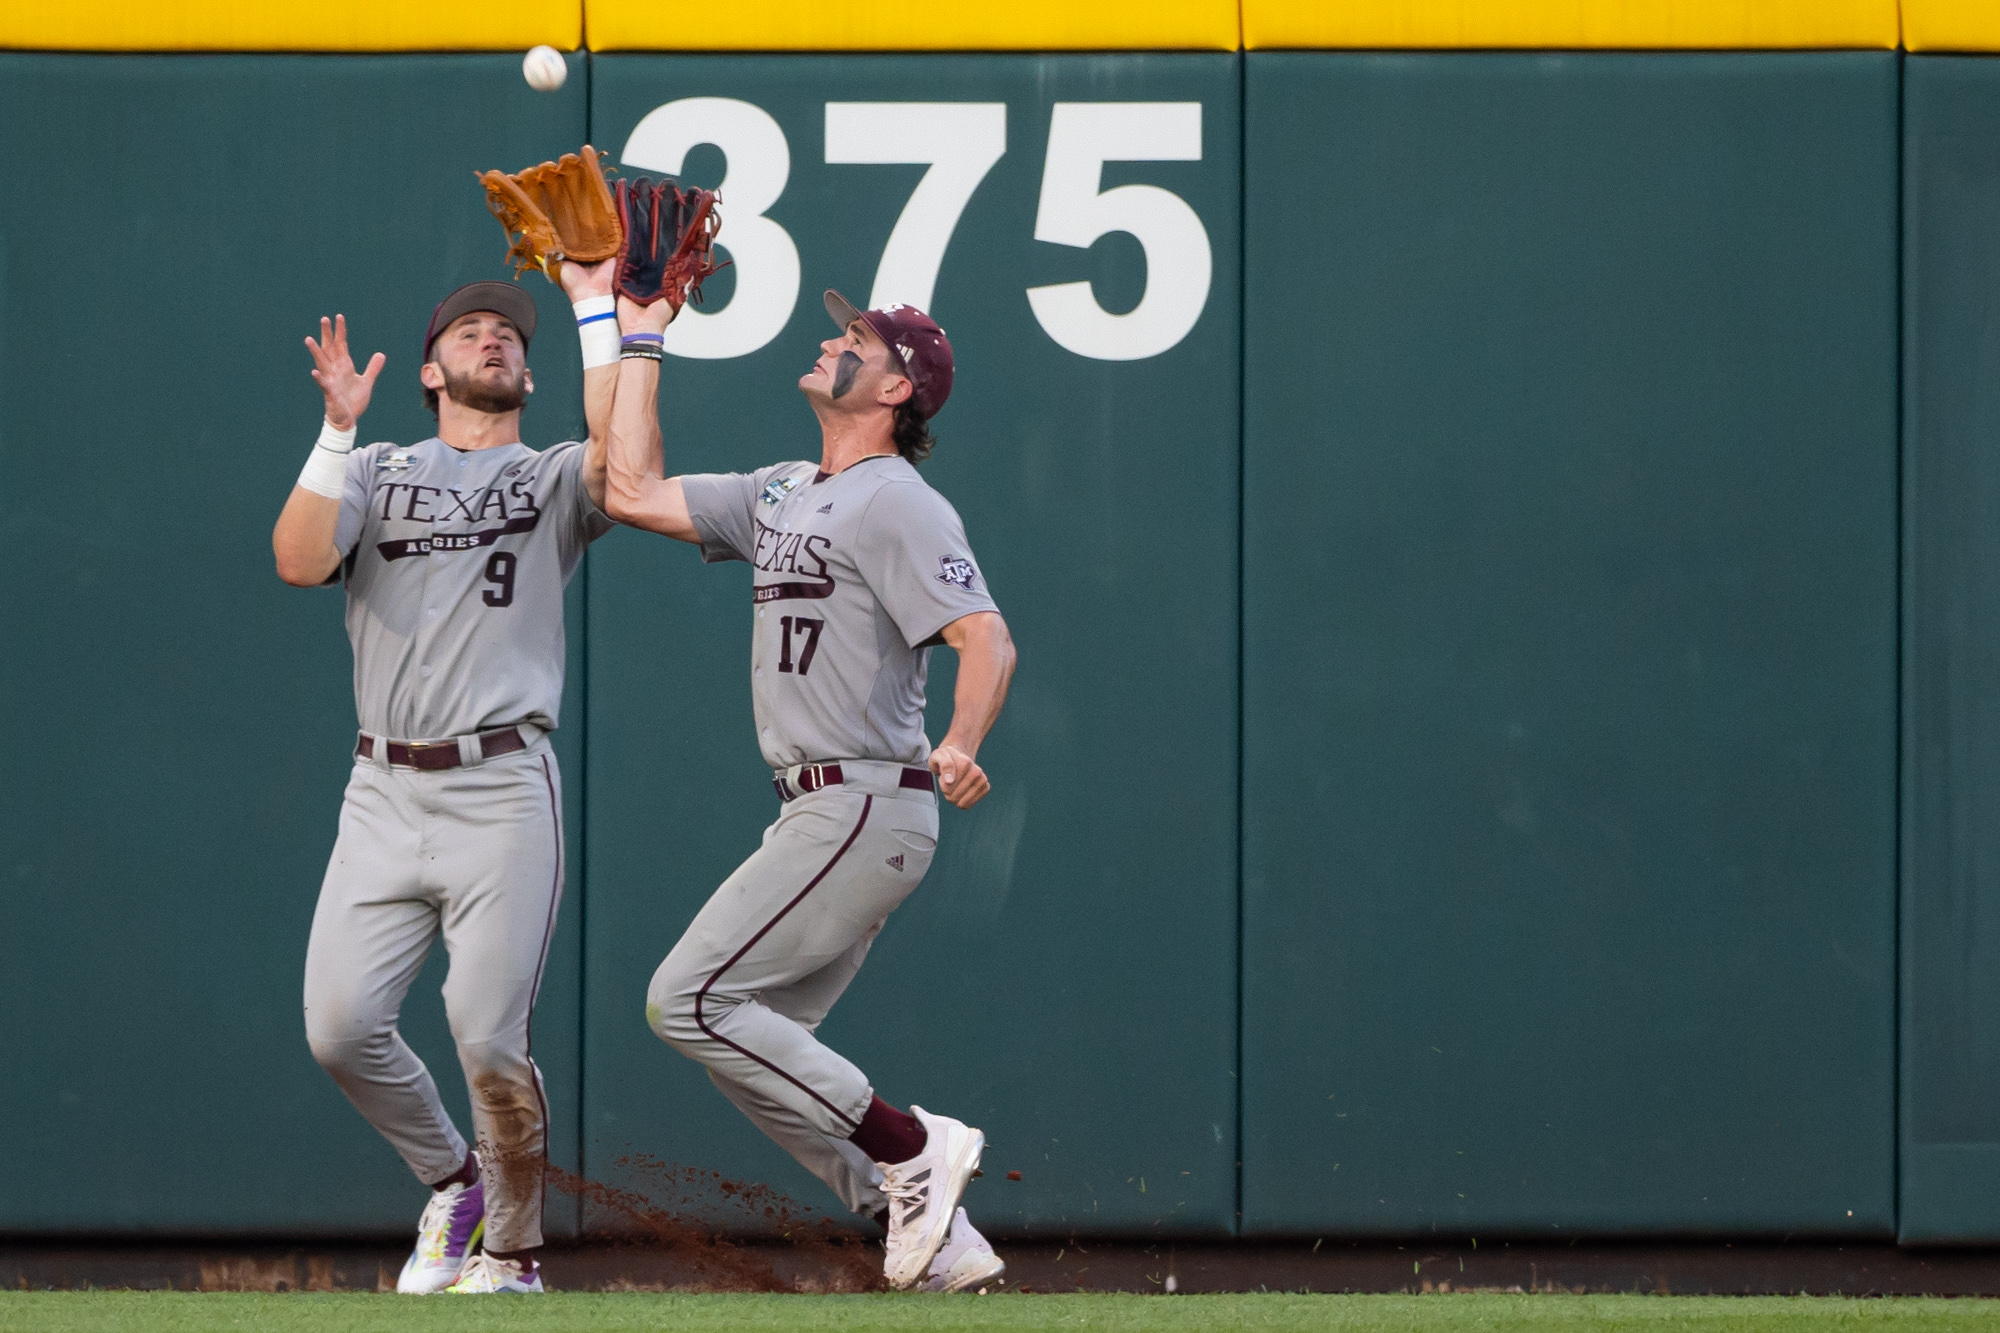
<point x="302" y="25"/>
<point x="929" y="25"/>
<point x="1951" y="25"/>
<point x="993" y="25"/>
<point x="1568" y="24"/>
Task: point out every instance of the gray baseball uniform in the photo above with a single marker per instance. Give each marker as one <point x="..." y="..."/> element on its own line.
<point x="455" y="568"/>
<point x="856" y="575"/>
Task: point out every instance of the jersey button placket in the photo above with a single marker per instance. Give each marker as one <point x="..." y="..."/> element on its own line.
<point x="424" y="630"/>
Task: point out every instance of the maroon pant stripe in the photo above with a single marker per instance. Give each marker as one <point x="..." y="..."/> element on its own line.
<point x="867" y="804"/>
<point x="548" y="932"/>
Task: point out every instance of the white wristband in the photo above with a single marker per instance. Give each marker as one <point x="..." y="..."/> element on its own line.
<point x="597" y="330"/>
<point x="325" y="473"/>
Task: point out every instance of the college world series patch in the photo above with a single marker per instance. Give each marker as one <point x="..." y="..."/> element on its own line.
<point x="955" y="570"/>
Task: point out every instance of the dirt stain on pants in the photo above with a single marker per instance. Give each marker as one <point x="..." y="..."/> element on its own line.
<point x="513" y="1156"/>
<point x="472" y="855"/>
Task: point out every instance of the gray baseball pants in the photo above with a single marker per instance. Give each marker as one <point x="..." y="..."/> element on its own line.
<point x="477" y="854"/>
<point x="777" y="944"/>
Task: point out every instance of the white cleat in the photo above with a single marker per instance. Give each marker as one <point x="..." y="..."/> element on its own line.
<point x="923" y="1194"/>
<point x="965" y="1262"/>
<point x="487" y="1274"/>
<point x="447" y="1237"/>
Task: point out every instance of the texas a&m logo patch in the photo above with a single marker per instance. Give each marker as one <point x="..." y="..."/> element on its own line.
<point x="955" y="570"/>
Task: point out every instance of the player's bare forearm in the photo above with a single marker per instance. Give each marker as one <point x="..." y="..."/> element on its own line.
<point x="985" y="667"/>
<point x="302" y="541"/>
<point x="600" y="383"/>
<point x="635" y="492"/>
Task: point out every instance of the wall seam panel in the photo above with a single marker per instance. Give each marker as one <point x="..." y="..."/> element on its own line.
<point x="1902" y="708"/>
<point x="1242" y="448"/>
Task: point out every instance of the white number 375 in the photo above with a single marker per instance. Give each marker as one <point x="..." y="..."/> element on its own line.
<point x="960" y="141"/>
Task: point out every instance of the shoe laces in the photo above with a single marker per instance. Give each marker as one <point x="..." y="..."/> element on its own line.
<point x="908" y="1195"/>
<point x="434" y="1227"/>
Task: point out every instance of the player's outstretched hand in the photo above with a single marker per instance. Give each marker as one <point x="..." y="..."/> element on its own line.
<point x="961" y="780"/>
<point x="584" y="280"/>
<point x="347" y="390"/>
<point x="636" y="318"/>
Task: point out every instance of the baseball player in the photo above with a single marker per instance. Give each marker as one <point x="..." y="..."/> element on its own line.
<point x="454" y="552"/>
<point x="860" y="568"/>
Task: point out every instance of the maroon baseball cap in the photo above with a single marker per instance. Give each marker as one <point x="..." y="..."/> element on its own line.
<point x="504" y="299"/>
<point x="915" y="341"/>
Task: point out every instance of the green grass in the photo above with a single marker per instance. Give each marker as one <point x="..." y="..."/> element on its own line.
<point x="182" y="1312"/>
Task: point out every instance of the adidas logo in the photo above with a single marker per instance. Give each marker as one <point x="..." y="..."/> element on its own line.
<point x="826" y="508"/>
<point x="895" y="862"/>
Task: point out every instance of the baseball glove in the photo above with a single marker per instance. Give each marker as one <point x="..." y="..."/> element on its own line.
<point x="669" y="241"/>
<point x="556" y="211"/>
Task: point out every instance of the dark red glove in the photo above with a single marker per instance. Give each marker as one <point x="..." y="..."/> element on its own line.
<point x="669" y="241"/>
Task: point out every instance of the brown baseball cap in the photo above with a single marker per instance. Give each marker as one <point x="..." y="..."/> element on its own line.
<point x="916" y="344"/>
<point x="504" y="299"/>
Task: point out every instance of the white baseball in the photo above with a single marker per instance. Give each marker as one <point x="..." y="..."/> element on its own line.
<point x="544" y="69"/>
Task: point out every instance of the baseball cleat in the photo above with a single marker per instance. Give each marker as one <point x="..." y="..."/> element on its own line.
<point x="923" y="1193"/>
<point x="488" y="1273"/>
<point x="447" y="1235"/>
<point x="966" y="1260"/>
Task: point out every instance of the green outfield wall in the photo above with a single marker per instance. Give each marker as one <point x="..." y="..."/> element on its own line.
<point x="181" y="718"/>
<point x="1069" y="923"/>
<point x="1499" y="546"/>
<point x="1569" y="644"/>
<point x="1950" y="1014"/>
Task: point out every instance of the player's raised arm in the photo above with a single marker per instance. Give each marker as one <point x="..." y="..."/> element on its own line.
<point x="303" y="540"/>
<point x="588" y="287"/>
<point x="985" y="666"/>
<point x="635" y="491"/>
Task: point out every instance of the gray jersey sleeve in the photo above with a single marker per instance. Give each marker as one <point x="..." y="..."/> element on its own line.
<point x="912" y="551"/>
<point x="355" y="493"/>
<point x="723" y="506"/>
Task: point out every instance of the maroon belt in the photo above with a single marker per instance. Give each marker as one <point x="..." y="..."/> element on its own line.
<point x="442" y="754"/>
<point x="814" y="776"/>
